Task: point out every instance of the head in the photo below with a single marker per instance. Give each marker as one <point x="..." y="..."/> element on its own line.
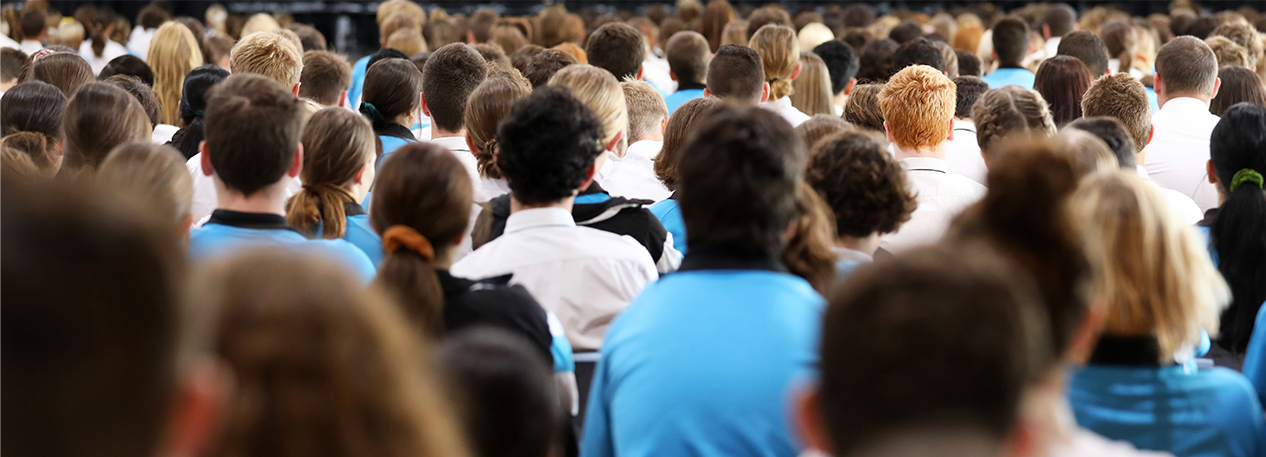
<point x="1227" y="52"/>
<point x="737" y="191"/>
<point x="716" y="16"/>
<point x="681" y="125"/>
<point x="905" y="32"/>
<point x="863" y="110"/>
<point x="1086" y="151"/>
<point x="1113" y="134"/>
<point x="1007" y="112"/>
<point x="618" y="48"/>
<point x="172" y="55"/>
<point x="245" y="155"/>
<point x="15" y="67"/>
<point x="310" y="38"/>
<point x="451" y="74"/>
<point x="152" y="16"/>
<point x="67" y="71"/>
<point x="1239" y="85"/>
<point x="543" y="66"/>
<point x="129" y="65"/>
<point x="340" y="150"/>
<point x="647" y="112"/>
<point x="493" y="55"/>
<point x="69" y="34"/>
<point x="422" y="203"/>
<point x="876" y="61"/>
<point x="143" y="94"/>
<point x="1062" y="81"/>
<point x="549" y="144"/>
<point x="406" y="40"/>
<point x="481" y="24"/>
<point x="575" y="50"/>
<point x="270" y="55"/>
<point x="1088" y="48"/>
<point x="1011" y="41"/>
<point x="861" y="183"/>
<point x="219" y="48"/>
<point x="820" y="127"/>
<point x="325" y="77"/>
<point x="1157" y="278"/>
<point x="600" y="91"/>
<point x="841" y="63"/>
<point x="1123" y="98"/>
<point x="814" y="34"/>
<point x="439" y="33"/>
<point x="918" y="108"/>
<point x="1060" y="20"/>
<point x="260" y="22"/>
<point x="193" y="105"/>
<point x="967" y="90"/>
<point x="1244" y="35"/>
<point x="392" y="92"/>
<point x="1186" y="67"/>
<point x="36" y="107"/>
<point x="919" y="51"/>
<point x="968" y="63"/>
<point x="34" y="25"/>
<point x="152" y="173"/>
<point x="523" y="57"/>
<point x="99" y="117"/>
<point x="489" y="104"/>
<point x="779" y="55"/>
<point x="812" y="89"/>
<point x="736" y="74"/>
<point x="734" y="33"/>
<point x="688" y="56"/>
<point x="1235" y="151"/>
<point x="767" y="15"/>
<point x="509" y="38"/>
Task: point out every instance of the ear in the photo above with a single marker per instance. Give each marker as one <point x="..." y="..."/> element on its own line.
<point x="796" y="73"/>
<point x="358" y="178"/>
<point x="707" y="92"/>
<point x="640" y="71"/>
<point x="1217" y="85"/>
<point x="590" y="173"/>
<point x="295" y="90"/>
<point x="1213" y="173"/>
<point x="663" y="125"/>
<point x="950" y="137"/>
<point x="470" y="144"/>
<point x="848" y="88"/>
<point x="993" y="55"/>
<point x="1046" y="31"/>
<point x="808" y="417"/>
<point x="1151" y="133"/>
<point x="382" y="42"/>
<point x="207" y="170"/>
<point x="673" y="75"/>
<point x="1158" y="84"/>
<point x="297" y="165"/>
<point x="342" y="99"/>
<point x="199" y="405"/>
<point x="470" y="36"/>
<point x="888" y="133"/>
<point x="186" y="225"/>
<point x="764" y="93"/>
<point x="610" y="146"/>
<point x="422" y="100"/>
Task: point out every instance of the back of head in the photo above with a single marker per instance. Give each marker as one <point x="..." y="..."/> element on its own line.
<point x="67" y="71"/>
<point x="548" y="143"/>
<point x="940" y="347"/>
<point x="338" y="145"/>
<point x="1088" y="153"/>
<point x="918" y="106"/>
<point x="905" y="32"/>
<point x="688" y="56"/>
<point x="154" y="173"/>
<point x="812" y="89"/>
<point x="862" y="183"/>
<point x="451" y="74"/>
<point x="1062" y="81"/>
<point x="919" y="51"/>
<point x="504" y="393"/>
<point x="324" y="77"/>
<point x="174" y="52"/>
<point x="738" y="186"/>
<point x="1088" y="48"/>
<point x="1123" y="98"/>
<point x="95" y="364"/>
<point x="493" y="55"/>
<point x="967" y="90"/>
<point x="193" y="106"/>
<point x="270" y="55"/>
<point x="601" y="93"/>
<point x="767" y="15"/>
<point x="481" y="23"/>
<point x="575" y="51"/>
<point x="152" y="16"/>
<point x="388" y="53"/>
<point x="1185" y="66"/>
<point x="1060" y="19"/>
<point x="876" y="60"/>
<point x="618" y="48"/>
<point x="862" y="109"/>
<point x="488" y="105"/>
<point x="310" y="38"/>
<point x="391" y="90"/>
<point x="681" y="125"/>
<point x="260" y="22"/>
<point x="1008" y="111"/>
<point x="821" y="126"/>
<point x="1239" y="85"/>
<point x="716" y="16"/>
<point x="99" y="117"/>
<point x="1011" y="41"/>
<point x="814" y="34"/>
<point x="647" y="110"/>
<point x="33" y="106"/>
<point x="15" y="66"/>
<point x="248" y="155"/>
<point x="143" y="94"/>
<point x="523" y="57"/>
<point x="129" y="65"/>
<point x="543" y="66"/>
<point x="36" y="151"/>
<point x="1239" y="231"/>
<point x="736" y="74"/>
<point x="841" y="61"/>
<point x="1244" y="35"/>
<point x="734" y="33"/>
<point x="509" y="38"/>
<point x="1227" y="52"/>
<point x="779" y="53"/>
<point x="1114" y="134"/>
<point x="33" y="22"/>
<point x="407" y="40"/>
<point x="968" y="64"/>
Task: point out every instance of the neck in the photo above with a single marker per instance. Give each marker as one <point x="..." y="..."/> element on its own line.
<point x="868" y="244"/>
<point x="1161" y="100"/>
<point x="1046" y="407"/>
<point x="269" y="200"/>
<point x="564" y="204"/>
<point x="949" y="440"/>
<point x="649" y="136"/>
<point x="1012" y="65"/>
<point x="935" y="152"/>
<point x="840" y="99"/>
<point x="437" y="133"/>
<point x="444" y="260"/>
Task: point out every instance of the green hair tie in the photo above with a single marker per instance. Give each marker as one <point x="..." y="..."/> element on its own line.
<point x="371" y="111"/>
<point x="199" y="113"/>
<point x="1246" y="175"/>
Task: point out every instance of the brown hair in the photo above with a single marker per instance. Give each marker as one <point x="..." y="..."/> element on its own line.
<point x="688" y="56"/>
<point x="218" y="47"/>
<point x="99" y="117"/>
<point x="618" y="48"/>
<point x="246" y="154"/>
<point x="809" y="252"/>
<point x="779" y="54"/>
<point x="509" y="38"/>
<point x="35" y="107"/>
<point x="153" y="172"/>
<point x="523" y="57"/>
<point x="407" y="40"/>
<point x="337" y="144"/>
<point x="1186" y="65"/>
<point x="545" y="63"/>
<point x="576" y="51"/>
<point x="1227" y="52"/>
<point x="1123" y="98"/>
<point x="1244" y="35"/>
<point x="1062" y="81"/>
<point x="681" y="125"/>
<point x="270" y="55"/>
<point x="391" y="88"/>
<point x="324" y="77"/>
<point x="647" y="109"/>
<point x="918" y="105"/>
<point x="716" y="16"/>
<point x="423" y="191"/>
<point x="1087" y="153"/>
<point x="812" y="95"/>
<point x="862" y="184"/>
<point x="451" y="74"/>
<point x="1239" y="84"/>
<point x="734" y="33"/>
<point x="143" y="93"/>
<point x="295" y="328"/>
<point x="821" y="126"/>
<point x="15" y="65"/>
<point x="1010" y="110"/>
<point x="862" y="108"/>
<point x="15" y="163"/>
<point x="736" y="74"/>
<point x="488" y="105"/>
<point x="65" y="71"/>
<point x="172" y="55"/>
<point x="493" y="54"/>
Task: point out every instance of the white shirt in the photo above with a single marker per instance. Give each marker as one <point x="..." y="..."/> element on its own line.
<point x="138" y="41"/>
<point x="585" y="276"/>
<point x="657" y="75"/>
<point x="6" y="42"/>
<point x="1085" y="443"/>
<point x="783" y="107"/>
<point x="491" y="188"/>
<point x="941" y="195"/>
<point x="1176" y="157"/>
<point x="633" y="176"/>
<point x="962" y="154"/>
<point x="163" y="133"/>
<point x="204" y="198"/>
<point x="1180" y="203"/>
<point x="457" y="145"/>
<point x="111" y="51"/>
<point x="30" y="46"/>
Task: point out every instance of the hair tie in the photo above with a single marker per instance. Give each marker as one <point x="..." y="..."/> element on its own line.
<point x="403" y="236"/>
<point x="199" y="113"/>
<point x="371" y="111"/>
<point x="773" y="80"/>
<point x="1246" y="175"/>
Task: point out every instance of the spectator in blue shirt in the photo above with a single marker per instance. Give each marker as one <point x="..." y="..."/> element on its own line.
<point x="680" y="125"/>
<point x="252" y="150"/>
<point x="1161" y="291"/>
<point x="392" y="101"/>
<point x="1010" y="45"/>
<point x="703" y="361"/>
<point x="392" y="15"/>
<point x="688" y="57"/>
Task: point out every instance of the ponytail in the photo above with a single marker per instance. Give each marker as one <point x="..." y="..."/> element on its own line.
<point x="101" y="21"/>
<point x="408" y="273"/>
<point x="319" y="206"/>
<point x="1238" y="233"/>
<point x="779" y="51"/>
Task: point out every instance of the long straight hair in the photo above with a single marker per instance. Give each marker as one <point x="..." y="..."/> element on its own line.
<point x="174" y="53"/>
<point x="1239" y="231"/>
<point x="812" y="94"/>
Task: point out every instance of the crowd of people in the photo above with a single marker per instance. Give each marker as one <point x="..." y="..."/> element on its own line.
<point x="692" y="229"/>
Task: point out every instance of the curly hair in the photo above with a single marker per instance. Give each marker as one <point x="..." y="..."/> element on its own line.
<point x="808" y="254"/>
<point x="548" y="142"/>
<point x="862" y="108"/>
<point x="862" y="183"/>
<point x="1009" y="110"/>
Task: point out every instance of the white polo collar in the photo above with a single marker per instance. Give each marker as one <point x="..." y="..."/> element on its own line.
<point x="538" y="217"/>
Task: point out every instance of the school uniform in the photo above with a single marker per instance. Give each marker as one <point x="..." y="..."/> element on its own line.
<point x="108" y="53"/>
<point x="1255" y="357"/>
<point x="392" y="136"/>
<point x="783" y="107"/>
<point x="583" y="275"/>
<point x="457" y="145"/>
<point x="685" y="92"/>
<point x="490" y="188"/>
<point x="1003" y="77"/>
<point x="358" y="81"/>
<point x="1124" y="394"/>
<point x="633" y="176"/>
<point x="940" y="196"/>
<point x="668" y="211"/>
<point x="657" y="75"/>
<point x="962" y="154"/>
<point x="138" y="42"/>
<point x="358" y="232"/>
<point x="163" y="133"/>
<point x="1182" y="205"/>
<point x="30" y="47"/>
<point x="6" y="42"/>
<point x="227" y="231"/>
<point x="1179" y="149"/>
<point x="205" y="199"/>
<point x="704" y="362"/>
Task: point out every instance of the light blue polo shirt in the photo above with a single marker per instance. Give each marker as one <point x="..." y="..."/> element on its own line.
<point x="227" y="231"/>
<point x="1007" y="76"/>
<point x="1255" y="357"/>
<point x="669" y="214"/>
<point x="680" y="97"/>
<point x="358" y="80"/>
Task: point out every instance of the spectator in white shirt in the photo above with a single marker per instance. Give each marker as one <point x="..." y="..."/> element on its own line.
<point x="34" y="30"/>
<point x="100" y="49"/>
<point x="1011" y="111"/>
<point x="633" y="175"/>
<point x="451" y="74"/>
<point x="1186" y="79"/>
<point x="548" y="150"/>
<point x="962" y="155"/>
<point x="918" y="108"/>
<point x="779" y="51"/>
<point x="488" y="105"/>
<point x="148" y="21"/>
<point x="1060" y="20"/>
<point x="735" y="75"/>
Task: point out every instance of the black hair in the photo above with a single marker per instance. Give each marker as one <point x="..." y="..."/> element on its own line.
<point x="919" y="51"/>
<point x="128" y="65"/>
<point x="1011" y="41"/>
<point x="385" y="53"/>
<point x="968" y="89"/>
<point x="193" y="105"/>
<point x="905" y="32"/>
<point x="842" y="62"/>
<point x="1112" y="132"/>
<point x="547" y="143"/>
<point x="968" y="64"/>
<point x="1238" y="232"/>
<point x="876" y="61"/>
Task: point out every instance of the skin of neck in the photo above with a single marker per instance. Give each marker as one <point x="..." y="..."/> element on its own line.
<point x="867" y="245"/>
<point x="1046" y="407"/>
<point x="444" y="259"/>
<point x="269" y="200"/>
<point x="1161" y="100"/>
<point x="936" y="152"/>
<point x="564" y="204"/>
<point x="958" y="441"/>
<point x="840" y="99"/>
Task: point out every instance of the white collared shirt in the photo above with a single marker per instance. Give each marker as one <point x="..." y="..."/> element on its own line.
<point x="205" y="199"/>
<point x="783" y="107"/>
<point x="1179" y="202"/>
<point x="30" y="46"/>
<point x="457" y="145"/>
<point x="962" y="154"/>
<point x="941" y="195"/>
<point x="138" y="42"/>
<point x="491" y="188"/>
<point x="585" y="276"/>
<point x="655" y="72"/>
<point x="162" y="133"/>
<point x="633" y="176"/>
<point x="110" y="52"/>
<point x="1176" y="157"/>
<point x="6" y="42"/>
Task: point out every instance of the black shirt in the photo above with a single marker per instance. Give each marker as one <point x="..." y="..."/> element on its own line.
<point x="494" y="302"/>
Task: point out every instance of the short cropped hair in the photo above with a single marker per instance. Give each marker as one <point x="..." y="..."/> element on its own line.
<point x="1007" y="111"/>
<point x="268" y="54"/>
<point x="968" y="91"/>
<point x="1114" y="134"/>
<point x="33" y="22"/>
<point x="1061" y="19"/>
<point x="325" y="76"/>
<point x="647" y="109"/>
<point x="15" y="65"/>
<point x="841" y="62"/>
<point x="545" y="63"/>
<point x="906" y="32"/>
<point x="1088" y="48"/>
<point x="249" y="155"/>
<point x="688" y="56"/>
<point x="968" y="64"/>
<point x="919" y="51"/>
<point x="737" y="191"/>
<point x="1186" y="65"/>
<point x="1011" y="40"/>
<point x="548" y="142"/>
<point x="1227" y="52"/>
<point x="618" y="48"/>
<point x="861" y="182"/>
<point x="1123" y="98"/>
<point x="450" y="75"/>
<point x="736" y="73"/>
<point x="918" y="106"/>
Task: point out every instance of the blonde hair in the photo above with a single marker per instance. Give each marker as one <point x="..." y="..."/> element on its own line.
<point x="813" y="34"/>
<point x="1157" y="278"/>
<point x="395" y="23"/>
<point x="406" y="40"/>
<point x="260" y="22"/>
<point x="1227" y="52"/>
<point x="779" y="53"/>
<point x="270" y="55"/>
<point x="918" y="105"/>
<point x="599" y="90"/>
<point x="1010" y="110"/>
<point x="734" y="33"/>
<point x="647" y="109"/>
<point x="172" y="55"/>
<point x="151" y="171"/>
<point x="487" y="106"/>
<point x="812" y="93"/>
<point x="390" y="7"/>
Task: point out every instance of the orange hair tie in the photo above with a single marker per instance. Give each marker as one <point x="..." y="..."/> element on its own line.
<point x="401" y="236"/>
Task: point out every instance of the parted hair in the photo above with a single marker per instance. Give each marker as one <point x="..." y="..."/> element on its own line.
<point x="1186" y="65"/>
<point x="548" y="142"/>
<point x="174" y="52"/>
<point x="862" y="108"/>
<point x="600" y="91"/>
<point x="246" y="154"/>
<point x="155" y="173"/>
<point x="618" y="48"/>
<point x="918" y="107"/>
<point x="324" y="77"/>
<point x="647" y="110"/>
<point x="337" y="144"/>
<point x="1007" y="111"/>
<point x="779" y="51"/>
<point x="1244" y="35"/>
<point x="736" y="73"/>
<point x="99" y="117"/>
<point x="681" y="125"/>
<point x="1123" y="98"/>
<point x="66" y="71"/>
<point x="688" y="56"/>
<point x="488" y="105"/>
<point x="450" y="75"/>
<point x="545" y="63"/>
<point x="1227" y="52"/>
<point x="33" y="106"/>
<point x="862" y="183"/>
<point x="268" y="54"/>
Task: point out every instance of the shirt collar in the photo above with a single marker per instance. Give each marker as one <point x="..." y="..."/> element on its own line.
<point x="723" y="257"/>
<point x="851" y="255"/>
<point x="691" y="86"/>
<point x="452" y="143"/>
<point x="644" y="148"/>
<point x="924" y="164"/>
<point x="353" y="209"/>
<point x="1186" y="105"/>
<point x="395" y="130"/>
<point x="1127" y="351"/>
<point x="253" y="221"/>
<point x="963" y="124"/>
<point x="779" y="104"/>
<point x="528" y="219"/>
